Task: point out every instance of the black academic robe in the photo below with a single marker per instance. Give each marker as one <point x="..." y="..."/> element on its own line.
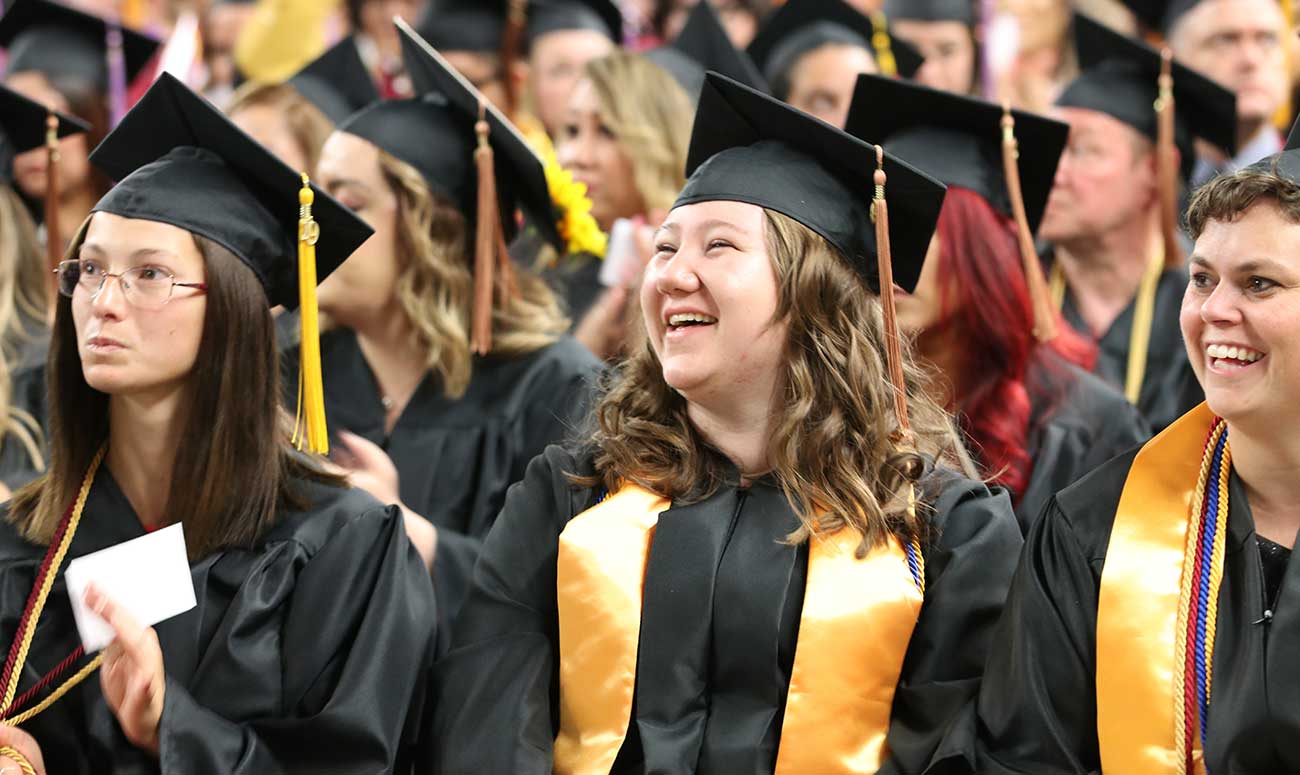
<point x="576" y="280"/>
<point x="304" y="654"/>
<point x="1169" y="389"/>
<point x="25" y="353"/>
<point x="1077" y="423"/>
<point x="455" y="458"/>
<point x="1037" y="707"/>
<point x="721" y="607"/>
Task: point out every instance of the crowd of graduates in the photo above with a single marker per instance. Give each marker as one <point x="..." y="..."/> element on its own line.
<point x="655" y="386"/>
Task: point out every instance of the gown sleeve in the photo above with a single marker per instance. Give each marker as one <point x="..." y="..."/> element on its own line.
<point x="967" y="574"/>
<point x="496" y="690"/>
<point x="356" y="642"/>
<point x="1037" y="708"/>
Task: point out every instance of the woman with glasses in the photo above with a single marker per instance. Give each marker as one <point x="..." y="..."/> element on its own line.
<point x="314" y="616"/>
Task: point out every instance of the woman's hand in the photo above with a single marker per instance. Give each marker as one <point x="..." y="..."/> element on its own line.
<point x="24" y="744"/>
<point x="132" y="676"/>
<point x="369" y="468"/>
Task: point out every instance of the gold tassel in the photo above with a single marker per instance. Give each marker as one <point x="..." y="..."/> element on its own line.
<point x="488" y="240"/>
<point x="511" y="42"/>
<point x="1166" y="168"/>
<point x="53" y="235"/>
<point x="885" y="270"/>
<point x="309" y="430"/>
<point x="1039" y="298"/>
<point x="881" y="44"/>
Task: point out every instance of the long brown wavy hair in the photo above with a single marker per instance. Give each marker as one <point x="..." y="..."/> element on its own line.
<point x="834" y="448"/>
<point x="23" y="307"/>
<point x="236" y="472"/>
<point x="436" y="290"/>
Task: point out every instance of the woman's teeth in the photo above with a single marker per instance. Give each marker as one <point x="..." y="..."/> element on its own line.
<point x="690" y="318"/>
<point x="1222" y="351"/>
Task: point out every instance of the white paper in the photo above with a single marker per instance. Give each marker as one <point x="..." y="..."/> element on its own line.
<point x="148" y="576"/>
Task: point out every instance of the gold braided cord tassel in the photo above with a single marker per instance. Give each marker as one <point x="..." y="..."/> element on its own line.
<point x="1039" y="294"/>
<point x="12" y="753"/>
<point x="310" y="431"/>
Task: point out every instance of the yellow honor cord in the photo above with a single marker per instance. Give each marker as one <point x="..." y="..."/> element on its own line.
<point x="1139" y="338"/>
<point x="12" y="753"/>
<point x="309" y="430"/>
<point x="880" y="43"/>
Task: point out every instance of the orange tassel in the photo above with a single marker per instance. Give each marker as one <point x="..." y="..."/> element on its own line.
<point x="511" y="42"/>
<point x="1166" y="167"/>
<point x="488" y="243"/>
<point x="53" y="235"/>
<point x="885" y="269"/>
<point x="1039" y="296"/>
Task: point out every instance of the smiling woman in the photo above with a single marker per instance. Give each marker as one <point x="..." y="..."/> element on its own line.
<point x="754" y="563"/>
<point x="1162" y="584"/>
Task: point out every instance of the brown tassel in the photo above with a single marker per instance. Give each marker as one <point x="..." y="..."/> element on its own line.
<point x="885" y="270"/>
<point x="488" y="248"/>
<point x="1166" y="166"/>
<point x="1039" y="297"/>
<point x="512" y="39"/>
<point x="53" y="235"/>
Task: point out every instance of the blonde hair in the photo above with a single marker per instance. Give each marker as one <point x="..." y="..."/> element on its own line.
<point x="833" y="449"/>
<point x="308" y="126"/>
<point x="23" y="295"/>
<point x="435" y="286"/>
<point x="651" y="116"/>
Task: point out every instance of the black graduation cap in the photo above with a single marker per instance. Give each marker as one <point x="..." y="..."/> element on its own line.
<point x="1160" y="15"/>
<point x="1119" y="76"/>
<point x="703" y="45"/>
<point x="1285" y="163"/>
<point x="958" y="139"/>
<point x="479" y="25"/>
<point x="23" y="127"/>
<point x="932" y="10"/>
<point x="434" y="133"/>
<point x="547" y="16"/>
<point x="801" y="26"/>
<point x="749" y="147"/>
<point x="180" y="161"/>
<point x="64" y="42"/>
<point x="337" y="82"/>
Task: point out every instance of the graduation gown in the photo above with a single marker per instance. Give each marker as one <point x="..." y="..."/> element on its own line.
<point x="1169" y="388"/>
<point x="719" y="625"/>
<point x="304" y="654"/>
<point x="456" y="457"/>
<point x="576" y="280"/>
<point x="26" y="356"/>
<point x="1038" y="707"/>
<point x="1077" y="423"/>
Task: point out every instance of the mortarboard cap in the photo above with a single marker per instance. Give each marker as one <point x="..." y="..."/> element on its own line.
<point x="179" y="161"/>
<point x="547" y="16"/>
<point x="932" y="11"/>
<point x="63" y="42"/>
<point x="23" y="127"/>
<point x="958" y="139"/>
<point x="801" y="26"/>
<point x="1119" y="76"/>
<point x="337" y="82"/>
<point x="480" y="25"/>
<point x="1285" y="163"/>
<point x="703" y="45"/>
<point x="521" y="178"/>
<point x="749" y="147"/>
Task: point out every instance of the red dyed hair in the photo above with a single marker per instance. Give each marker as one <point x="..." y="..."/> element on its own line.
<point x="987" y="326"/>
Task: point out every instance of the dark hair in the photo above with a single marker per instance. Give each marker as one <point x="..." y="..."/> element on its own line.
<point x="231" y="480"/>
<point x="988" y="322"/>
<point x="1228" y="197"/>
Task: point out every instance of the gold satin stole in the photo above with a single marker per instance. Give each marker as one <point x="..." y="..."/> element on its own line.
<point x="857" y="620"/>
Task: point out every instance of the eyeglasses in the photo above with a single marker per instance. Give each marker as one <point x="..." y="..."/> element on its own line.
<point x="146" y="287"/>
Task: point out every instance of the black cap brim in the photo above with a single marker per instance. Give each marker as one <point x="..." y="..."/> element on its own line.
<point x="962" y="11"/>
<point x="789" y="18"/>
<point x="519" y="171"/>
<point x="766" y="153"/>
<point x="966" y="149"/>
<point x="705" y="41"/>
<point x="58" y="40"/>
<point x="337" y="82"/>
<point x="180" y="161"/>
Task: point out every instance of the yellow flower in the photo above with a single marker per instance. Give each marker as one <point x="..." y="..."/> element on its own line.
<point x="569" y="199"/>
